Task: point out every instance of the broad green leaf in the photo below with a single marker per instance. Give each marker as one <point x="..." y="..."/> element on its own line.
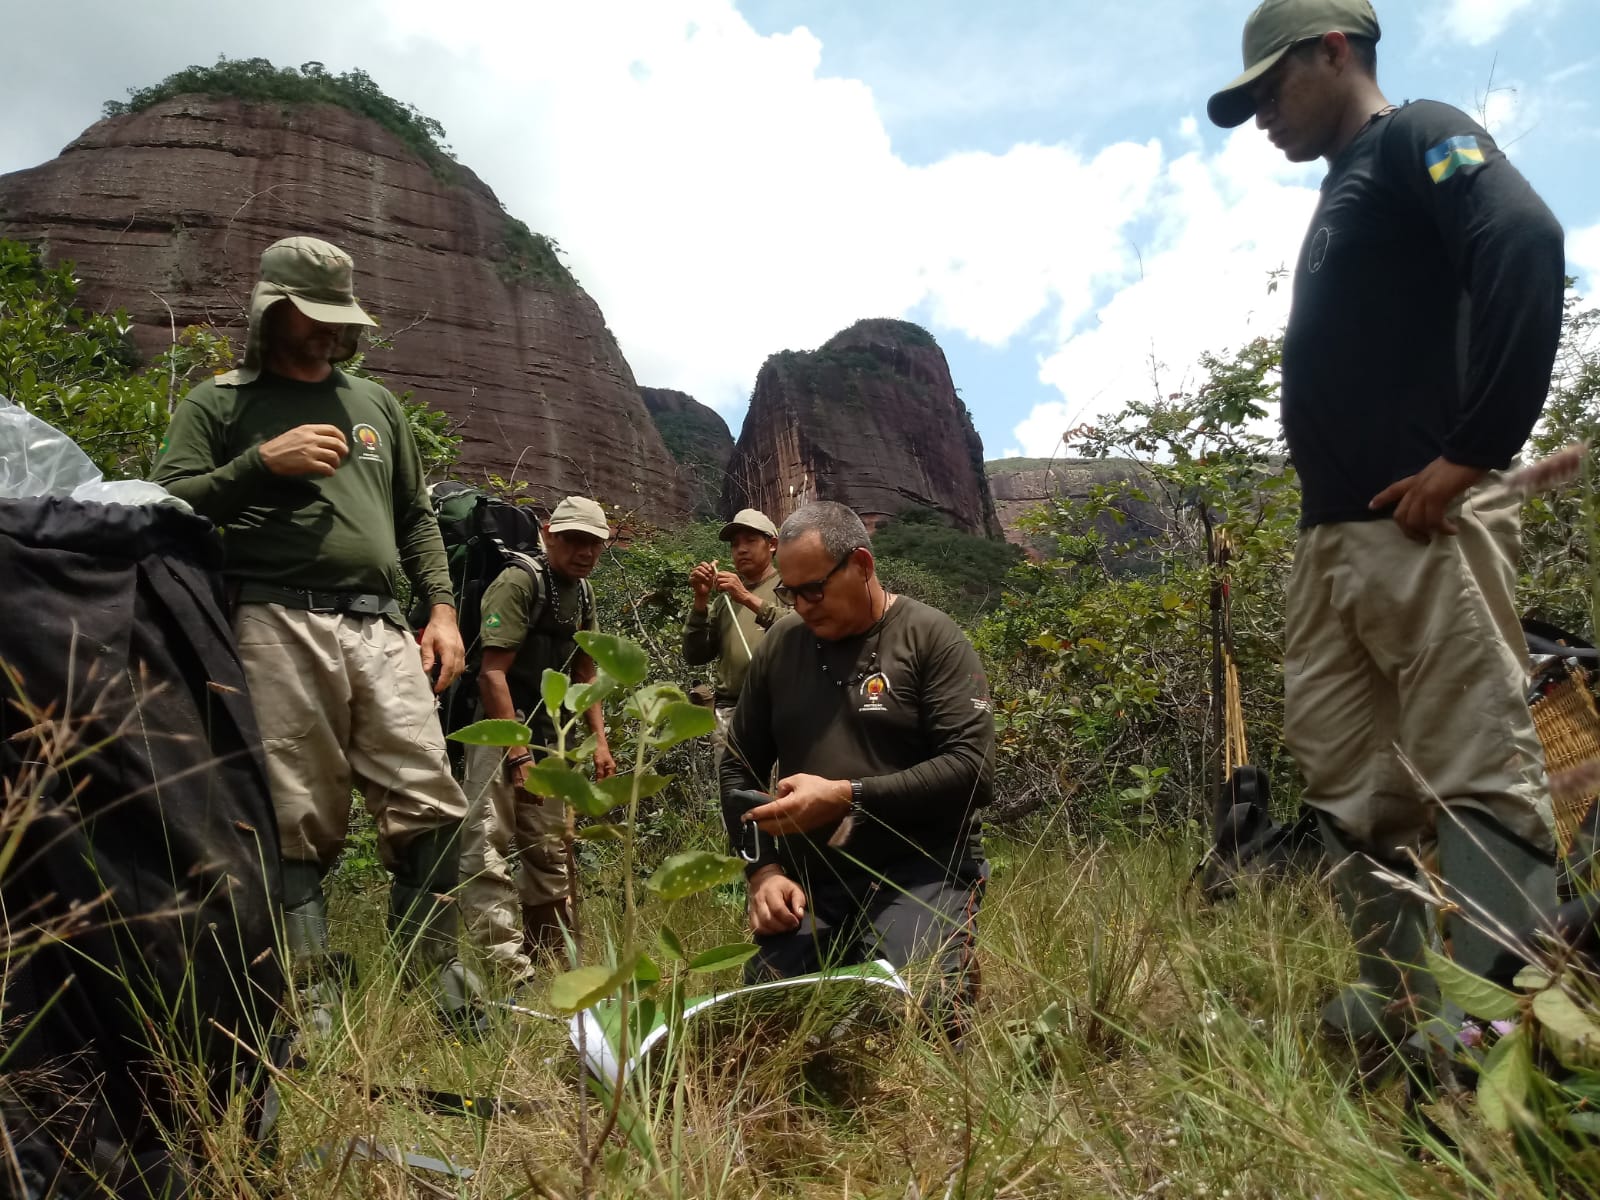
<point x="572" y="991"/>
<point x="585" y="749"/>
<point x="1503" y="1086"/>
<point x="1532" y="978"/>
<point x="1586" y="1123"/>
<point x="601" y="833"/>
<point x="645" y="705"/>
<point x="1170" y="601"/>
<point x="1476" y="996"/>
<point x="720" y="958"/>
<point x="645" y="971"/>
<point x="671" y="944"/>
<point x="494" y="733"/>
<point x="554" y="778"/>
<point x="624" y="661"/>
<point x="693" y="871"/>
<point x="681" y="721"/>
<point x="553" y="689"/>
<point x="1570" y="1031"/>
<point x="586" y="694"/>
<point x="619" y="788"/>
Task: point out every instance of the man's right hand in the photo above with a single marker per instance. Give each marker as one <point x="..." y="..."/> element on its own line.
<point x="776" y="902"/>
<point x="703" y="578"/>
<point x="306" y="450"/>
<point x="519" y="777"/>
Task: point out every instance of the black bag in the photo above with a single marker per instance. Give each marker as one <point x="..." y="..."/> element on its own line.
<point x="1249" y="843"/>
<point x="152" y="813"/>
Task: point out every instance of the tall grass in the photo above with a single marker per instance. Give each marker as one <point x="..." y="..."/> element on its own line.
<point x="1129" y="1043"/>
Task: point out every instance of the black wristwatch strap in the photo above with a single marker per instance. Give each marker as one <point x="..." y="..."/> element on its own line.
<point x="856" y="793"/>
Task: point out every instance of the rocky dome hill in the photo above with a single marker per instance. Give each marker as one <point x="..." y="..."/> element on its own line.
<point x="166" y="205"/>
<point x="698" y="438"/>
<point x="870" y="419"/>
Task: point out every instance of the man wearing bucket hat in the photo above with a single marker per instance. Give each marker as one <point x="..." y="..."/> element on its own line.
<point x="316" y="480"/>
<point x="1426" y="311"/>
<point x="531" y="613"/>
<point x="733" y="609"/>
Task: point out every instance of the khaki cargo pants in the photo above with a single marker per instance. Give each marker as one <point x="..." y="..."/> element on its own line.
<point x="342" y="701"/>
<point x="512" y="853"/>
<point x="1399" y="653"/>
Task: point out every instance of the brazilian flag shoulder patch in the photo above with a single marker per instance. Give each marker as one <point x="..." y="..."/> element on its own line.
<point x="492" y="621"/>
<point x="1455" y="154"/>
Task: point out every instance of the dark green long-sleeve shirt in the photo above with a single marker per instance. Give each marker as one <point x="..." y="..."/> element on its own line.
<point x="905" y="709"/>
<point x="353" y="531"/>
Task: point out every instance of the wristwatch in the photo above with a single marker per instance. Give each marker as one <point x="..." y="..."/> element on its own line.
<point x="856" y="792"/>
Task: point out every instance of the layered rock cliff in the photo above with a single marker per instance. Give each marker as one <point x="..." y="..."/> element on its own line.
<point x="1021" y="485"/>
<point x="698" y="438"/>
<point x="165" y="211"/>
<point x="872" y="420"/>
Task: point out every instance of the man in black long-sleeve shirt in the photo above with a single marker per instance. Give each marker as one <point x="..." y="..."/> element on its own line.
<point x="1427" y="308"/>
<point x="874" y="709"/>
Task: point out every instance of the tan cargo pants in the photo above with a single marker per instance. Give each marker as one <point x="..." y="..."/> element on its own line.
<point x="342" y="700"/>
<point x="1402" y="653"/>
<point x="512" y="853"/>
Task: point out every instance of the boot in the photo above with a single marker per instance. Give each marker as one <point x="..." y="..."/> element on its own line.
<point x="424" y="923"/>
<point x="544" y="927"/>
<point x="1390" y="929"/>
<point x="319" y="976"/>
<point x="1503" y="887"/>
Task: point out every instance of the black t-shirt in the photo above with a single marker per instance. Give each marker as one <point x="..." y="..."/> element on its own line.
<point x="905" y="709"/>
<point x="1427" y="308"/>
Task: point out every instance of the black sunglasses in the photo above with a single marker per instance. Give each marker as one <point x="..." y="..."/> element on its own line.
<point x="812" y="592"/>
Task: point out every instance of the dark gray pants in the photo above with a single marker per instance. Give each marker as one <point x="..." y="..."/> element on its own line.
<point x="903" y="924"/>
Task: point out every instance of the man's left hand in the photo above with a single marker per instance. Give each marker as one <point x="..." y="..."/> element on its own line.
<point x="1423" y="499"/>
<point x="605" y="766"/>
<point x="441" y="643"/>
<point x="804" y="803"/>
<point x="729" y="583"/>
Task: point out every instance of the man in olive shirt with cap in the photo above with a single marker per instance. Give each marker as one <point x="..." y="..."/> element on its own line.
<point x="874" y="710"/>
<point x="733" y="609"/>
<point x="316" y="480"/>
<point x="1426" y="312"/>
<point x="531" y="613"/>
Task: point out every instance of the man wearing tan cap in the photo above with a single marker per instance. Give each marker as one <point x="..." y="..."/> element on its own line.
<point x="1427" y="307"/>
<point x="531" y="614"/>
<point x="316" y="480"/>
<point x="734" y="609"/>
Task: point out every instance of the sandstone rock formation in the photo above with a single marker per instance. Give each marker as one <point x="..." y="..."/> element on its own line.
<point x="698" y="438"/>
<point x="872" y="420"/>
<point x="1021" y="485"/>
<point x="166" y="211"/>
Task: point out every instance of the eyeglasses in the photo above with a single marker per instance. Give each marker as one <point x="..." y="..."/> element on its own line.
<point x="812" y="592"/>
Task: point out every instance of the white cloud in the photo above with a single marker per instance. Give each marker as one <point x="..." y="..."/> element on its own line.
<point x="1479" y="22"/>
<point x="1583" y="258"/>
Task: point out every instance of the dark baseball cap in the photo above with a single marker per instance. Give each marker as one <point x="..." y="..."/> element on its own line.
<point x="1272" y="31"/>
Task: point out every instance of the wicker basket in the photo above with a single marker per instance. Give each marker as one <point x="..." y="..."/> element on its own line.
<point x="1569" y="727"/>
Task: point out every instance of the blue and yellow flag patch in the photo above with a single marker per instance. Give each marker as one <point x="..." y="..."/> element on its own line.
<point x="1457" y="154"/>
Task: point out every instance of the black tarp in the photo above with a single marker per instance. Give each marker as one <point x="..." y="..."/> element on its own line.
<point x="111" y="626"/>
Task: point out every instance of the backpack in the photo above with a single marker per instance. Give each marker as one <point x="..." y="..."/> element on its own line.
<point x="483" y="535"/>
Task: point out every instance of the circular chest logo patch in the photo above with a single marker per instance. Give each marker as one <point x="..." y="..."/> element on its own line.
<point x="1318" y="254"/>
<point x="368" y="441"/>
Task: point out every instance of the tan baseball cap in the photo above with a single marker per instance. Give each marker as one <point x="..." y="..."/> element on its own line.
<point x="749" y="518"/>
<point x="579" y="514"/>
<point x="1276" y="27"/>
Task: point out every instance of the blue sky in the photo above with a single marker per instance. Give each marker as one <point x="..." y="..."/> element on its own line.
<point x="1035" y="182"/>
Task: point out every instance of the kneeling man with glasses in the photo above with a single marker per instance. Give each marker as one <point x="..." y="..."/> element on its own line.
<point x="872" y="711"/>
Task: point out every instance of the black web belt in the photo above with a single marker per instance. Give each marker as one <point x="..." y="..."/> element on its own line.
<point x="360" y="604"/>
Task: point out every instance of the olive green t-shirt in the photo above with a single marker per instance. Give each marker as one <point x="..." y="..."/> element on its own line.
<point x="352" y="531"/>
<point x="516" y="600"/>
